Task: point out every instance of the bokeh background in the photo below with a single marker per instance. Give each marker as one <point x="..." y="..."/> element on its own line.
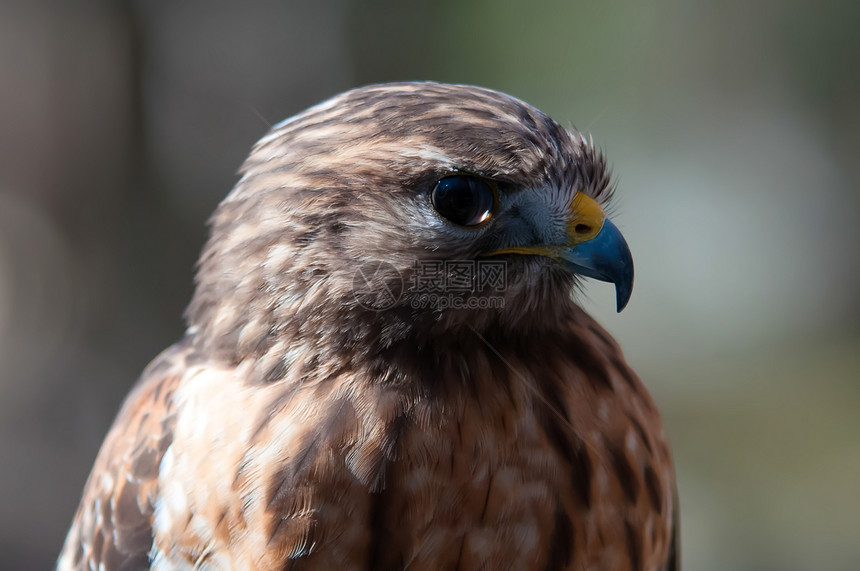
<point x="734" y="130"/>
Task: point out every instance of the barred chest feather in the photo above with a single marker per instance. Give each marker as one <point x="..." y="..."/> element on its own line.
<point x="514" y="470"/>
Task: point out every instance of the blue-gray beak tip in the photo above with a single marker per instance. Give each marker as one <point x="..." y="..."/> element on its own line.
<point x="605" y="257"/>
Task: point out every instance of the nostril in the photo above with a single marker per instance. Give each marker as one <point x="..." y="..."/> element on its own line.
<point x="582" y="228"/>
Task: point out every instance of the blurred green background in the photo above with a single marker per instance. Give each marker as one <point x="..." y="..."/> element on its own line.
<point x="733" y="128"/>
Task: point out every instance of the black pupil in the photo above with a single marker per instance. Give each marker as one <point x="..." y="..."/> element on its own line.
<point x="464" y="200"/>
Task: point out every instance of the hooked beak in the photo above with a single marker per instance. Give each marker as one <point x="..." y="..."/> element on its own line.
<point x="597" y="248"/>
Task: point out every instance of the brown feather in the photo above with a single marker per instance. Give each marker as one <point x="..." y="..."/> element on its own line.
<point x="296" y="428"/>
<point x="113" y="525"/>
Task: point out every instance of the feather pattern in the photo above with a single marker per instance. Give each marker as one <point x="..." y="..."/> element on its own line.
<point x="293" y="427"/>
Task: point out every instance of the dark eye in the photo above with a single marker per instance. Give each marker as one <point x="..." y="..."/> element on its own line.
<point x="464" y="200"/>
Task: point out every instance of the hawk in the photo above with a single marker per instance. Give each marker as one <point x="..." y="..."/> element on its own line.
<point x="297" y="426"/>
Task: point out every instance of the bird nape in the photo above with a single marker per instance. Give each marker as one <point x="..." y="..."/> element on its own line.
<point x="384" y="367"/>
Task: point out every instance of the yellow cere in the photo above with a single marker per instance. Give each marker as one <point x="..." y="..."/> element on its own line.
<point x="586" y="219"/>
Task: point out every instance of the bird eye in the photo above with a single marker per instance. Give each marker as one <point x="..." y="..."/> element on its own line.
<point x="464" y="200"/>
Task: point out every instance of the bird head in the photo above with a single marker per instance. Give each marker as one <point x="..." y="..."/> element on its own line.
<point x="399" y="191"/>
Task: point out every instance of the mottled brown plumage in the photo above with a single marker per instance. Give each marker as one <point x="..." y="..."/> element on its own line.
<point x="295" y="427"/>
